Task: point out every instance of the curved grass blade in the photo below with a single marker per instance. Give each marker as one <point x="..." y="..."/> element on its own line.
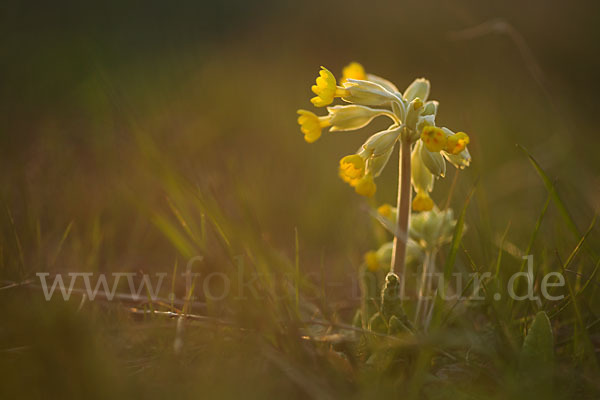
<point x="562" y="208"/>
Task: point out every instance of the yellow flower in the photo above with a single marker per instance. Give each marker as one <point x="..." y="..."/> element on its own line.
<point x="434" y="138"/>
<point x="326" y="89"/>
<point x="366" y="186"/>
<point x="456" y="143"/>
<point x="352" y="169"/>
<point x="388" y="212"/>
<point x="353" y="71"/>
<point x="372" y="261"/>
<point x="385" y="210"/>
<point x="422" y="202"/>
<point x="311" y="125"/>
<point x="438" y="139"/>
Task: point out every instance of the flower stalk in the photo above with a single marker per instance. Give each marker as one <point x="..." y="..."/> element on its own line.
<point x="403" y="206"/>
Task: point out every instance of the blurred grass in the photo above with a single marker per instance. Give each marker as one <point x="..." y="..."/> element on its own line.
<point x="120" y="121"/>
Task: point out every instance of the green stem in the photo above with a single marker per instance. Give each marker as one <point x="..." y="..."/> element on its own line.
<point x="403" y="213"/>
<point x="423" y="286"/>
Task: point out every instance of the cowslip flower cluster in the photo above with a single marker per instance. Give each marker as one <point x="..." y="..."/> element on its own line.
<point x="413" y="121"/>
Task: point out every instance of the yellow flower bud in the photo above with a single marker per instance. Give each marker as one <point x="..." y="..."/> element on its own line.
<point x="456" y="143"/>
<point x="311" y="125"/>
<point x="366" y="186"/>
<point x="353" y="71"/>
<point x="422" y="202"/>
<point x="415" y="108"/>
<point x="417" y="103"/>
<point x="434" y="138"/>
<point x="372" y="261"/>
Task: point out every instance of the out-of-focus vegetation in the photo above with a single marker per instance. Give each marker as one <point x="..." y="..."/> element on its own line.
<point x="136" y="136"/>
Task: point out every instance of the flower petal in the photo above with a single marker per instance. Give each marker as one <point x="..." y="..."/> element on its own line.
<point x="383" y="82"/>
<point x="419" y="88"/>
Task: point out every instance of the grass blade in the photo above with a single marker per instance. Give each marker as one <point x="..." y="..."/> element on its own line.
<point x="18" y="242"/>
<point x="61" y="243"/>
<point x="456" y="238"/>
<point x="562" y="208"/>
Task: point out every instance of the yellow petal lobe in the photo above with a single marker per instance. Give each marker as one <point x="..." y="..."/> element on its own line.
<point x="352" y="169"/>
<point x="310" y="125"/>
<point x="434" y="138"/>
<point x="457" y="143"/>
<point x="325" y="88"/>
<point x="366" y="186"/>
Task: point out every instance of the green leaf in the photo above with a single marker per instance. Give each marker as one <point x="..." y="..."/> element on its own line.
<point x="538" y="347"/>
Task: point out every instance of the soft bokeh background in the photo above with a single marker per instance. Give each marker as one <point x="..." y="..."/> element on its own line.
<point x="104" y="105"/>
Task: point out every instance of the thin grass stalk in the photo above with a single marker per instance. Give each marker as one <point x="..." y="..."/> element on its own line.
<point x="425" y="284"/>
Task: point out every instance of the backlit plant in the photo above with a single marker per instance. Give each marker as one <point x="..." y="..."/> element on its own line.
<point x="424" y="147"/>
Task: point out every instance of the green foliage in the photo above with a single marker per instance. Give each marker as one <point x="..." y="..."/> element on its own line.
<point x="538" y="346"/>
<point x="536" y="359"/>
